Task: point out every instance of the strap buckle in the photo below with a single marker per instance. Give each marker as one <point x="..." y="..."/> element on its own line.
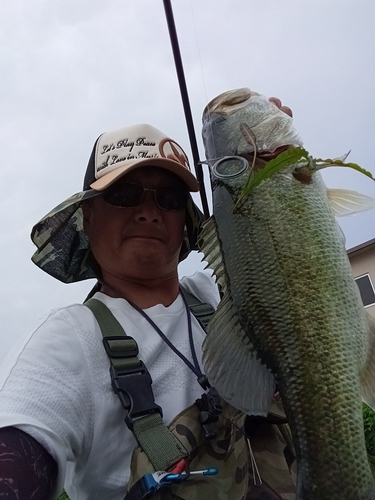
<point x="134" y="390"/>
<point x="131" y="381"/>
<point x="210" y="409"/>
<point x="120" y="346"/>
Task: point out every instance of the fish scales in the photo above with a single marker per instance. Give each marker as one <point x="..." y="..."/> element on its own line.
<point x="288" y="284"/>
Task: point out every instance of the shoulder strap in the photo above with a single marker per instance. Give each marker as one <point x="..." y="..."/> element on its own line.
<point x="131" y="381"/>
<point x="201" y="310"/>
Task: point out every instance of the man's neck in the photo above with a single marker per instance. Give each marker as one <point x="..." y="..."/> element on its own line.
<point x="144" y="293"/>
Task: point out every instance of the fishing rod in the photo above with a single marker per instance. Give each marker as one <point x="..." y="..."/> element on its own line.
<point x="186" y="103"/>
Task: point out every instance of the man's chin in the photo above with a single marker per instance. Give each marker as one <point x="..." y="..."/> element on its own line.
<point x="149" y="261"/>
<point x="145" y="260"/>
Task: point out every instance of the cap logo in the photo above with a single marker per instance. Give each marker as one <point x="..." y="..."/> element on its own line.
<point x="173" y="151"/>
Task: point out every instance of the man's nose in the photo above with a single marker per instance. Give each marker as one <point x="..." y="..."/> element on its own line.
<point x="148" y="210"/>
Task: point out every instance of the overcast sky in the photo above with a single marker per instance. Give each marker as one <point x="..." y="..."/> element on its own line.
<point x="72" y="69"/>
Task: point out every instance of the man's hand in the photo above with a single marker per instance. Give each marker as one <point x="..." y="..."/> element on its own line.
<point x="266" y="155"/>
<point x="278" y="103"/>
<point x="27" y="471"/>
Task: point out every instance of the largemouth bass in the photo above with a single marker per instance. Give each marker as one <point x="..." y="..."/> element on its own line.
<point x="291" y="312"/>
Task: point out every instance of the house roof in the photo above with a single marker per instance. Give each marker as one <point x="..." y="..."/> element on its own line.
<point x="362" y="246"/>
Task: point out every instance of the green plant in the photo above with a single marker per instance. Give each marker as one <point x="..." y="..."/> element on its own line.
<point x="63" y="496"/>
<point x="369" y="426"/>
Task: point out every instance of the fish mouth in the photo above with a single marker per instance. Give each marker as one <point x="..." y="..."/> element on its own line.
<point x="268" y="155"/>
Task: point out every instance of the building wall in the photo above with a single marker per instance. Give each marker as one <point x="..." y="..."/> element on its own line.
<point x="363" y="262"/>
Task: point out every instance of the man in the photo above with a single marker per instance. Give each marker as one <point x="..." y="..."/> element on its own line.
<point x="130" y="227"/>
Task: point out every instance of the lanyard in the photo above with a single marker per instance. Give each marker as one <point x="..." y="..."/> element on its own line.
<point x="195" y="368"/>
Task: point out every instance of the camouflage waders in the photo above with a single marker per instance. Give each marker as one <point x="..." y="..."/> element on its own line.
<point x="266" y="476"/>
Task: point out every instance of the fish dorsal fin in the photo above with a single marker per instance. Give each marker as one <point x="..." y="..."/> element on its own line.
<point x="229" y="358"/>
<point x="347" y="202"/>
<point x="368" y="373"/>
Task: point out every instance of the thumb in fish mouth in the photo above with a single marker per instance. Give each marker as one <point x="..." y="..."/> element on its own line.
<point x="286" y="109"/>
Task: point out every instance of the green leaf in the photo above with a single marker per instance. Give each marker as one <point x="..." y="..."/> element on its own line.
<point x="293" y="156"/>
<point x="339" y="163"/>
<point x="283" y="160"/>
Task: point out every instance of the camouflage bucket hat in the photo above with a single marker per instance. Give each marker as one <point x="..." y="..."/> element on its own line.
<point x="63" y="249"/>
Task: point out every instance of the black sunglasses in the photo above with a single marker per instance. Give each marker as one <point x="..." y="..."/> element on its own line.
<point x="128" y="194"/>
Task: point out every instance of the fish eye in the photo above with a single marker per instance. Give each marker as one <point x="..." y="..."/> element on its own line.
<point x="230" y="166"/>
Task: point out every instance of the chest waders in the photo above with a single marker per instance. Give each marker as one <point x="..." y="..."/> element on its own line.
<point x="181" y="461"/>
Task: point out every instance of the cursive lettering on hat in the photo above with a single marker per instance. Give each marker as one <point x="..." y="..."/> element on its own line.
<point x="121" y="151"/>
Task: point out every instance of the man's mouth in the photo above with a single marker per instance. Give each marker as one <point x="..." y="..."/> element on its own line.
<point x="146" y="237"/>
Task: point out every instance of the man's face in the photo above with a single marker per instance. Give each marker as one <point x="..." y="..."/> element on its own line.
<point x="142" y="242"/>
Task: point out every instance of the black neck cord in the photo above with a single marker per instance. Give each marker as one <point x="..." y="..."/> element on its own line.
<point x="195" y="368"/>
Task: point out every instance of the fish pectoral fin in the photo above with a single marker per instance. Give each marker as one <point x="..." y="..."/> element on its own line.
<point x="368" y="373"/>
<point x="209" y="245"/>
<point x="347" y="202"/>
<point x="232" y="366"/>
<point x="228" y="356"/>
